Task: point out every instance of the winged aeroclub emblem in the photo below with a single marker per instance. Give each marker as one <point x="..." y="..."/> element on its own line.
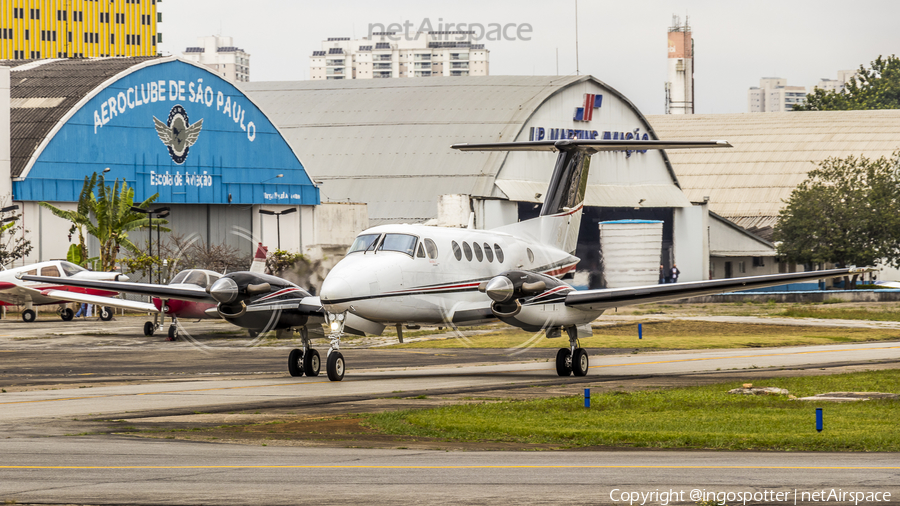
<point x="178" y="134"/>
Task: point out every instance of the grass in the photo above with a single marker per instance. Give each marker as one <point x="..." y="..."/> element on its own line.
<point x="679" y="334"/>
<point x="841" y="313"/>
<point x="704" y="417"/>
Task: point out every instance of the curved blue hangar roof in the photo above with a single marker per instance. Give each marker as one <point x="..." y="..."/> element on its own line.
<point x="164" y="125"/>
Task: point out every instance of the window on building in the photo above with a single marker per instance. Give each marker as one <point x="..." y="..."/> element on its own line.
<point x="759" y="262"/>
<point x="742" y="267"/>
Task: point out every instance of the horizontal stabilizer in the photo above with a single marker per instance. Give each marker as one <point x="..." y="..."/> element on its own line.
<point x="590" y="146"/>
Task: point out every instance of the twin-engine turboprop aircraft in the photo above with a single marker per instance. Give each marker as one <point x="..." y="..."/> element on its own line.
<point x="416" y="274"/>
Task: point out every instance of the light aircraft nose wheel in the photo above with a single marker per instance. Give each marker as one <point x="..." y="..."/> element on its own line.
<point x="563" y="362"/>
<point x="296" y="363"/>
<point x="106" y="314"/>
<point x="335" y="366"/>
<point x="312" y="363"/>
<point x="29" y="316"/>
<point x="580" y="362"/>
<point x="67" y="314"/>
<point x="149" y="328"/>
<point x="173" y="333"/>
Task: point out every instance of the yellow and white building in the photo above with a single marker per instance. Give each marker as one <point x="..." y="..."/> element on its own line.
<point x="35" y="29"/>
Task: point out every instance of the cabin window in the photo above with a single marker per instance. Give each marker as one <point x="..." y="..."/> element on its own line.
<point x="50" y="270"/>
<point x="421" y="253"/>
<point x="499" y="253"/>
<point x="399" y="242"/>
<point x="467" y="250"/>
<point x="431" y="248"/>
<point x="488" y="253"/>
<point x="32" y="272"/>
<point x="478" y="254"/>
<point x="179" y="278"/>
<point x="530" y="254"/>
<point x="363" y="243"/>
<point x="456" y="251"/>
<point x="71" y="269"/>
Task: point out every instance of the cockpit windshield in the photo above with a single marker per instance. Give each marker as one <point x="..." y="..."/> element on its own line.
<point x="363" y="243"/>
<point x="194" y="277"/>
<point x="71" y="269"/>
<point x="399" y="242"/>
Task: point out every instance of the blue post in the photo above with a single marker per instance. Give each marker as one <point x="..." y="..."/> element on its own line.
<point x="819" y="423"/>
<point x="587" y="397"/>
<point x="640" y="331"/>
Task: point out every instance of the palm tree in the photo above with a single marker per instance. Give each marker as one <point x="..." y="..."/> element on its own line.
<point x="108" y="217"/>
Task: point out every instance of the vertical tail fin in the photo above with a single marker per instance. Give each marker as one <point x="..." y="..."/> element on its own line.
<point x="258" y="265"/>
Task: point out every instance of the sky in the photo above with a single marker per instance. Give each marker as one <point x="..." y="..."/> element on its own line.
<point x="621" y="43"/>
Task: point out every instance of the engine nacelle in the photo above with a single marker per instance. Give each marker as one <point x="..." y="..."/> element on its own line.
<point x="532" y="301"/>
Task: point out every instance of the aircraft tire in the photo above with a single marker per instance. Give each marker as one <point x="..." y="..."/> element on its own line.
<point x="29" y="316"/>
<point x="106" y="314"/>
<point x="173" y="333"/>
<point x="335" y="366"/>
<point x="580" y="363"/>
<point x="312" y="364"/>
<point x="562" y="368"/>
<point x="149" y="328"/>
<point x="296" y="362"/>
<point x="67" y="314"/>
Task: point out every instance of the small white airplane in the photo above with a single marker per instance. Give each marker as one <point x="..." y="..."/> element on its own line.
<point x="185" y="296"/>
<point x="424" y="275"/>
<point x="14" y="291"/>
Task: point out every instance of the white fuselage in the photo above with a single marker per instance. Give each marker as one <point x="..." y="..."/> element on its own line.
<point x="428" y="286"/>
<point x="16" y="291"/>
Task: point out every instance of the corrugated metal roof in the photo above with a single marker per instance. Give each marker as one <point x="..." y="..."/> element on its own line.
<point x="392" y="137"/>
<point x="43" y="91"/>
<point x="772" y="154"/>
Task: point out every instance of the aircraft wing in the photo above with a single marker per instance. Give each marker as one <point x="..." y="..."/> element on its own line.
<point x="184" y="292"/>
<point x="617" y="297"/>
<point x="17" y="294"/>
<point x="101" y="300"/>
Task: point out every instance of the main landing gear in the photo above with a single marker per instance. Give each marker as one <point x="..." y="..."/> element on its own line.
<point x="307" y="361"/>
<point x="574" y="359"/>
<point x="158" y="323"/>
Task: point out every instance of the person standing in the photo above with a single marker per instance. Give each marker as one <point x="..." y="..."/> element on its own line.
<point x="675" y="273"/>
<point x="662" y="274"/>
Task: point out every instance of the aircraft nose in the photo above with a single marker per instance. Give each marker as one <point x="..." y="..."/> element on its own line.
<point x="224" y="290"/>
<point x="334" y="289"/>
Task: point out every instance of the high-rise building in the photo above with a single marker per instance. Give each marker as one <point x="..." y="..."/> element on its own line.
<point x="392" y="54"/>
<point x="680" y="82"/>
<point x="836" y="85"/>
<point x="774" y="95"/>
<point x="34" y="29"/>
<point x="222" y="56"/>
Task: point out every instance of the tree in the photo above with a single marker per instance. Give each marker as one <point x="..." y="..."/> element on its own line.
<point x="846" y="212"/>
<point x="874" y="88"/>
<point x="106" y="216"/>
<point x="13" y="244"/>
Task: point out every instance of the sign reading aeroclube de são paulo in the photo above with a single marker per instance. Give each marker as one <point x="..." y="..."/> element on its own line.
<point x="171" y="127"/>
<point x="178" y="91"/>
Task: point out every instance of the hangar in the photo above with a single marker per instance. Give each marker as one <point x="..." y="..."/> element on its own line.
<point x="387" y="143"/>
<point x="165" y="126"/>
